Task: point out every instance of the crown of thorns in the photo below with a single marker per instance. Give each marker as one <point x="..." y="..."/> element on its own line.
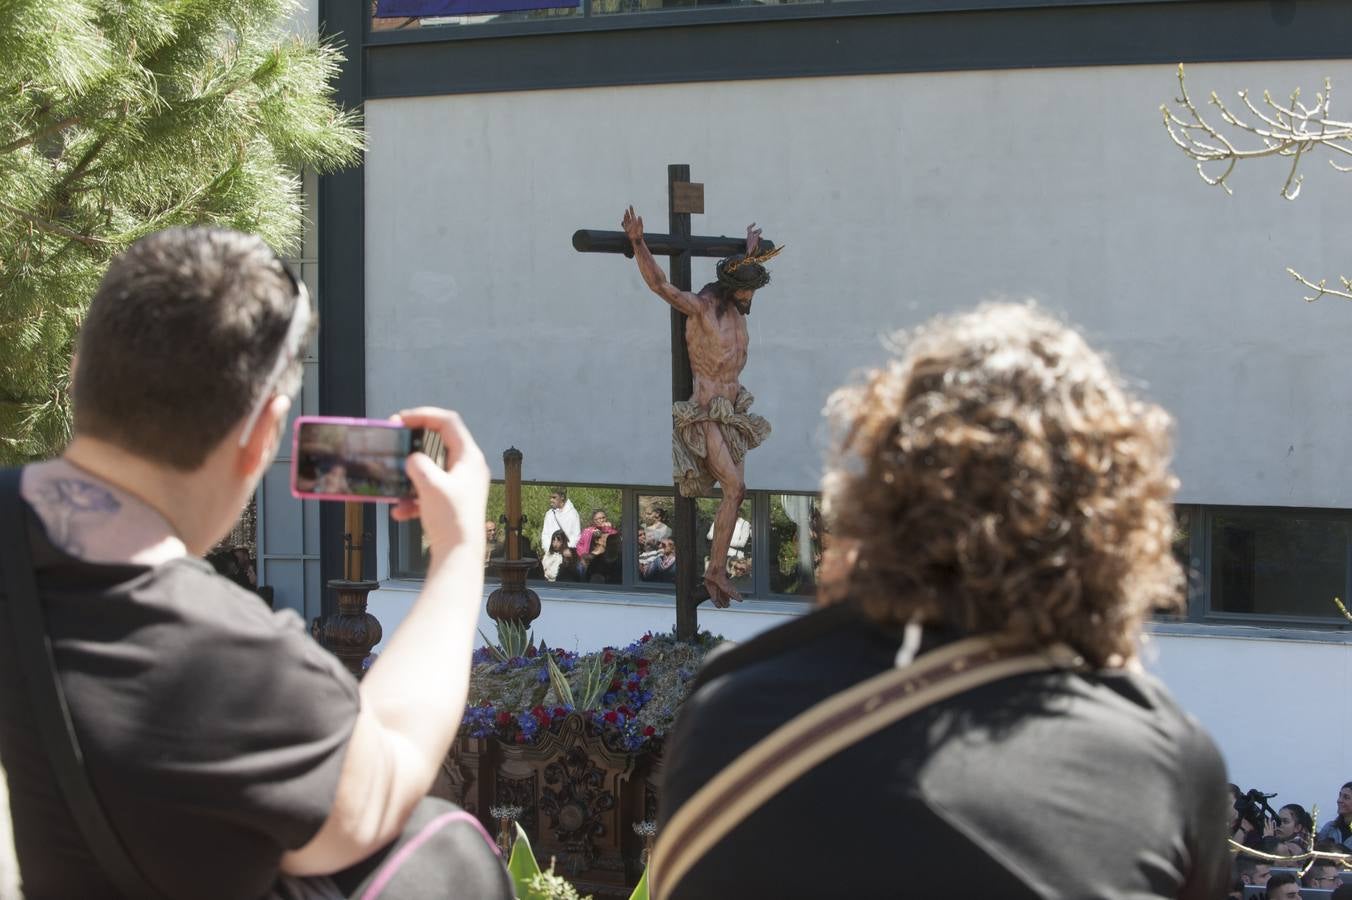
<point x="746" y="271"/>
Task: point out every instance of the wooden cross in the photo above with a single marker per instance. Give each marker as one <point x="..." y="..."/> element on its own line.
<point x="684" y="198"/>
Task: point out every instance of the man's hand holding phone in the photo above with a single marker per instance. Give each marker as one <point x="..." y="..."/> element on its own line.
<point x="450" y="502"/>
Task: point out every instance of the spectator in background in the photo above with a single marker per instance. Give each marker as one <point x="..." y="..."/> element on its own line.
<point x="493" y="547"/>
<point x="741" y="537"/>
<point x="1340" y="828"/>
<point x="656" y="525"/>
<point x="663" y="566"/>
<point x="1253" y="870"/>
<point x="1292" y="830"/>
<point x="648" y="549"/>
<point x="1323" y="874"/>
<point x="552" y="559"/>
<point x="1283" y="886"/>
<point x="561" y="515"/>
<point x="601" y="564"/>
<point x="1245" y="830"/>
<point x="600" y="524"/>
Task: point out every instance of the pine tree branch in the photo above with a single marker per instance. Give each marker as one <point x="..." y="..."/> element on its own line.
<point x="60" y="193"/>
<point x="56" y="228"/>
<point x="41" y="133"/>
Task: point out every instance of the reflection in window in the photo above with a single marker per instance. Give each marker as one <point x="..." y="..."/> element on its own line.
<point x="575" y="531"/>
<point x="612" y="7"/>
<point x="739" y="549"/>
<point x="656" y="545"/>
<point x="403" y="15"/>
<point x="796" y="541"/>
<point x="1274" y="564"/>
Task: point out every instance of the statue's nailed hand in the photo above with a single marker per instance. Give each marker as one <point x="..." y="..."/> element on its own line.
<point x="633" y="225"/>
<point x="752" y="238"/>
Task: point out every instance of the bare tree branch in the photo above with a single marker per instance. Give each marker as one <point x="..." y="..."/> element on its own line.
<point x="1320" y="289"/>
<point x="1293" y="130"/>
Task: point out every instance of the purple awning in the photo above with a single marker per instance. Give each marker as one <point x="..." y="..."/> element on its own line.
<point x="402" y="8"/>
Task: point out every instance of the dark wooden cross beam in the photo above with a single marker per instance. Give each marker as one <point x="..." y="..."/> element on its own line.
<point x="683" y="198"/>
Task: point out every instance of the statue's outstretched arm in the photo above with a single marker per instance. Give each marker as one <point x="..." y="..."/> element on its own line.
<point x="652" y="273"/>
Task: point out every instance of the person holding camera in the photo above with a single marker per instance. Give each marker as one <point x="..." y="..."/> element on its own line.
<point x="1292" y="830"/>
<point x="213" y="749"/>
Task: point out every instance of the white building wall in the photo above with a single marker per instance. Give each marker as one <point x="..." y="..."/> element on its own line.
<point x="897" y="197"/>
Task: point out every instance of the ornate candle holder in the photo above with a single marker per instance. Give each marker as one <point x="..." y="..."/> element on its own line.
<point x="513" y="601"/>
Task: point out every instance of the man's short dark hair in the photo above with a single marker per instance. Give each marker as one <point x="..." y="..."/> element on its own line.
<point x="179" y="341"/>
<point x="661" y="514"/>
<point x="1247" y="864"/>
<point x="559" y="492"/>
<point x="1279" y="879"/>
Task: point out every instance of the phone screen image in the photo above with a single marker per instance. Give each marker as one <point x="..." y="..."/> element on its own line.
<point x="352" y="459"/>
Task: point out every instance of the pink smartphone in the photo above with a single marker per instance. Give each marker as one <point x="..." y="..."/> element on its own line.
<point x="358" y="460"/>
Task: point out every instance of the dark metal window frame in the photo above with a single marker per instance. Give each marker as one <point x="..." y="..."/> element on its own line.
<point x="1199" y="600"/>
<point x="586" y="20"/>
<point x="1198" y="611"/>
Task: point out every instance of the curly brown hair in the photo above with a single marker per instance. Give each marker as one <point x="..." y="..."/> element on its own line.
<point x="998" y="477"/>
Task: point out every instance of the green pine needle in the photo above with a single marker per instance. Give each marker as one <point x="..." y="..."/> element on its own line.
<point x="122" y="117"/>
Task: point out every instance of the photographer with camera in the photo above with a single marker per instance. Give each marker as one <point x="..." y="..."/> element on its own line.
<point x="163" y="733"/>
<point x="1292" y="830"/>
<point x="1252" y="818"/>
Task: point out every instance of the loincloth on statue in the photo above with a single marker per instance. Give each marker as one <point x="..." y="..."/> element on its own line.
<point x="741" y="431"/>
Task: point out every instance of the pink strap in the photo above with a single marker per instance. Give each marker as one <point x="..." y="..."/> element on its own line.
<point x="393" y="864"/>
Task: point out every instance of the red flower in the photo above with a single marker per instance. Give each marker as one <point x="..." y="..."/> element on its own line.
<point x="612" y="717"/>
<point x="649" y="731"/>
<point x="608" y="656"/>
<point x="647" y="637"/>
<point x="503" y="718"/>
<point x="560" y="712"/>
<point x="538" y="711"/>
<point x="520" y="738"/>
<point x="614" y="684"/>
<point x="625" y="711"/>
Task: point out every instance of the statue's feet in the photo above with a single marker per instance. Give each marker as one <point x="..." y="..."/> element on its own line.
<point x="721" y="590"/>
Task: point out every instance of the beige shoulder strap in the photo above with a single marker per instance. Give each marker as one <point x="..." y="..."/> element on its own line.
<point x="822" y="731"/>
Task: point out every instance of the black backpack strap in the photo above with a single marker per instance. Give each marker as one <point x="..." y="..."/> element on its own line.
<point x="33" y="650"/>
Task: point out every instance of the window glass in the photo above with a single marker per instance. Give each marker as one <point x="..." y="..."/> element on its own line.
<point x="590" y="519"/>
<point x="796" y="537"/>
<point x="405" y="15"/>
<point x="739" y="550"/>
<point x="612" y="7"/>
<point x="656" y="546"/>
<point x="1269" y="563"/>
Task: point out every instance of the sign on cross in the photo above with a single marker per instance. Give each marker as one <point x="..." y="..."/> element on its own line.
<point x="684" y="198"/>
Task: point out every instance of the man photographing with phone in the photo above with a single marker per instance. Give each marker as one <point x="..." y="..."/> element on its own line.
<point x="227" y="754"/>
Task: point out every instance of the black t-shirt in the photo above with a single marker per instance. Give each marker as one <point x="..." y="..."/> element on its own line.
<point x="1048" y="785"/>
<point x="213" y="729"/>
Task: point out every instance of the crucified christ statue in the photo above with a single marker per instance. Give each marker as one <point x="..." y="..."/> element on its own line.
<point x="714" y="428"/>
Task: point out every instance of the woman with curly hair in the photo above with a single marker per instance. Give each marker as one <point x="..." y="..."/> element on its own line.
<point x="994" y="485"/>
